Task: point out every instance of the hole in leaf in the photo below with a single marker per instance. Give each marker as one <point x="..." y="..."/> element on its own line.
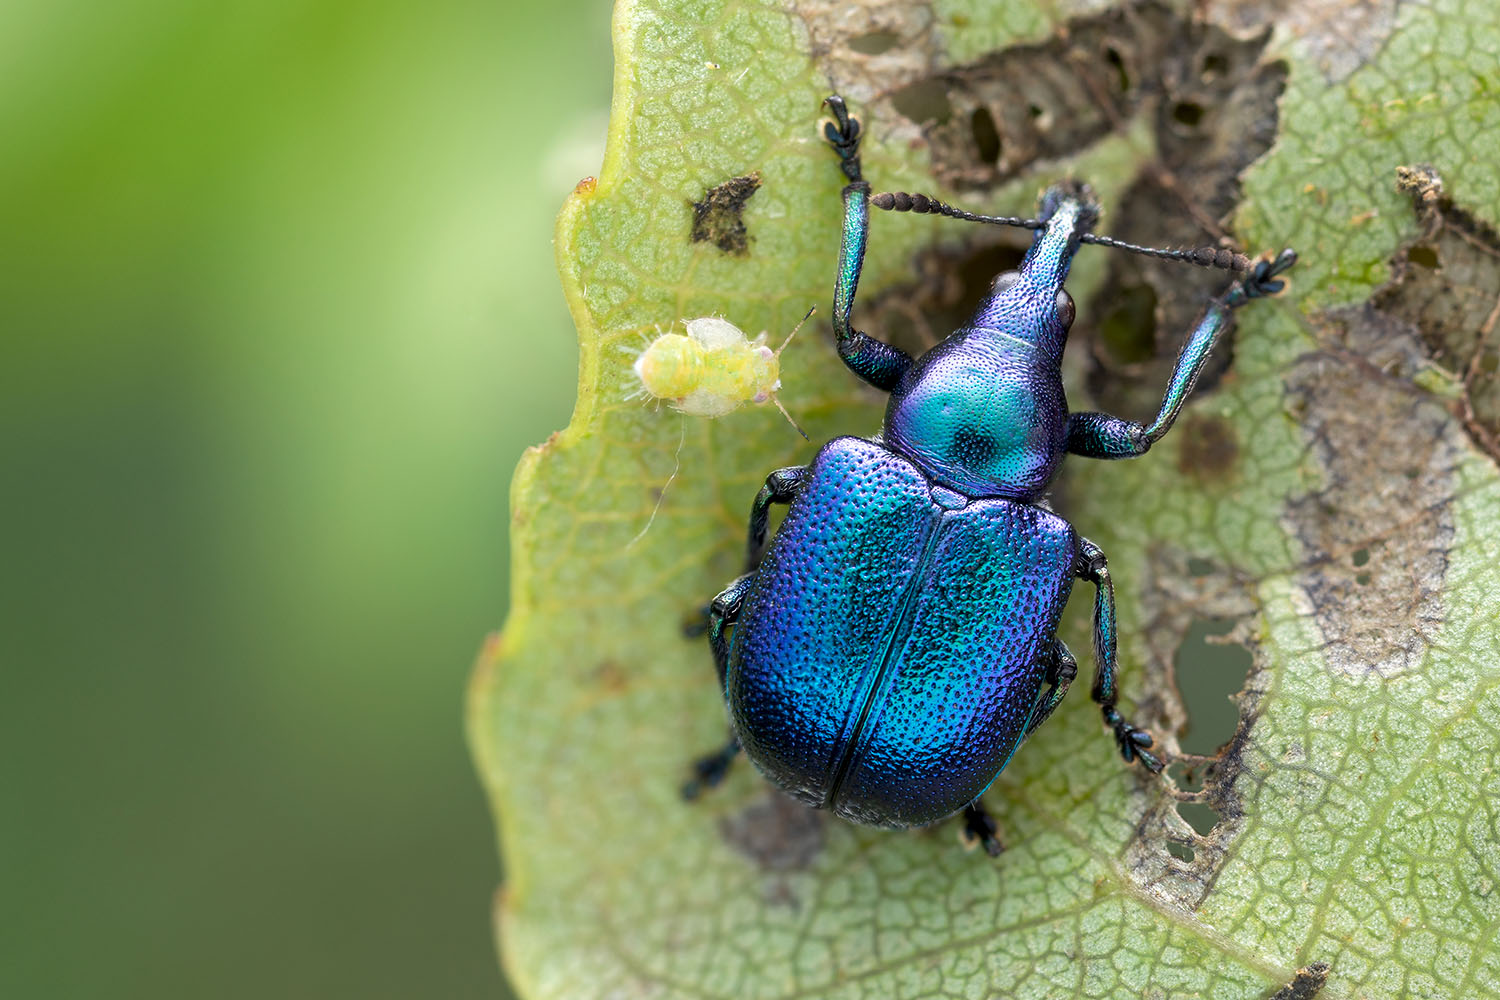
<point x="1187" y="113"/>
<point x="1207" y="674"/>
<point x="1128" y="330"/>
<point x="875" y="42"/>
<point x="1200" y="816"/>
<point x="1361" y="556"/>
<point x="975" y="272"/>
<point x="986" y="136"/>
<point x="1423" y="257"/>
<point x="1179" y="851"/>
<point x="924" y="101"/>
<point x="1363" y="579"/>
<point x="1187" y="777"/>
<point x="1113" y="57"/>
<point x="1214" y="64"/>
<point x="1199" y="567"/>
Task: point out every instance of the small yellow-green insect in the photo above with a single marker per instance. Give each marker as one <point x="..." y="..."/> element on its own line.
<point x="713" y="369"/>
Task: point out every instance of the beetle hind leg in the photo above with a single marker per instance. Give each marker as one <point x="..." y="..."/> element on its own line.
<point x="710" y="769"/>
<point x="1132" y="740"/>
<point x="980" y="828"/>
<point x="1060" y="674"/>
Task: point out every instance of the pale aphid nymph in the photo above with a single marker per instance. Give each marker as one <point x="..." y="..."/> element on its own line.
<point x="713" y="369"/>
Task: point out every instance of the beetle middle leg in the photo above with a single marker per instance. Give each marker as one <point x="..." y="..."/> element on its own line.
<point x="710" y="769"/>
<point x="781" y="486"/>
<point x="1131" y="739"/>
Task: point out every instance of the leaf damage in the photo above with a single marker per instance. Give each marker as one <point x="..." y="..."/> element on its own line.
<point x="1445" y="281"/>
<point x="1380" y="526"/>
<point x="1173" y="597"/>
<point x="1382" y="521"/>
<point x="1306" y="984"/>
<point x="720" y="217"/>
<point x="1206" y="98"/>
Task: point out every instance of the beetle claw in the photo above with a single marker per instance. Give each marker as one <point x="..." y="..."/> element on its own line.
<point x="1133" y="742"/>
<point x="1259" y="283"/>
<point x="1150" y="761"/>
<point x="843" y="135"/>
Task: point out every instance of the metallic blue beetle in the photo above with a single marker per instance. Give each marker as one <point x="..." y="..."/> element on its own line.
<point x="897" y="640"/>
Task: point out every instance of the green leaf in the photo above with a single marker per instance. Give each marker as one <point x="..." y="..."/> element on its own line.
<point x="1331" y="499"/>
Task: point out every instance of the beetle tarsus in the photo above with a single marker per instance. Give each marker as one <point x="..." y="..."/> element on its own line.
<point x="980" y="828"/>
<point x="1132" y="741"/>
<point x="843" y="135"/>
<point x="1262" y="281"/>
<point x="710" y="769"/>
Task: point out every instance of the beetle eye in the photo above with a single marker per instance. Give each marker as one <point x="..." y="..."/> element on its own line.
<point x="1004" y="280"/>
<point x="1065" y="309"/>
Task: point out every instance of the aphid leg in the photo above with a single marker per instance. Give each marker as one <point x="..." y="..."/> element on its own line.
<point x="1099" y="435"/>
<point x="782" y="486"/>
<point x="662" y="495"/>
<point x="723" y="611"/>
<point x="877" y="363"/>
<point x="1132" y="741"/>
<point x="980" y="827"/>
<point x="1060" y="674"/>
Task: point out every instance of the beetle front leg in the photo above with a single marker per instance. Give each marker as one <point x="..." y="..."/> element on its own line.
<point x="876" y="362"/>
<point x="1099" y="435"/>
<point x="1132" y="740"/>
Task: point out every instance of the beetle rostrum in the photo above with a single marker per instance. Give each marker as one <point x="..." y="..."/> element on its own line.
<point x="893" y="645"/>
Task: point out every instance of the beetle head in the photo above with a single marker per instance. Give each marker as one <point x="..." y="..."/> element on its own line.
<point x="1069" y="210"/>
<point x="1030" y="304"/>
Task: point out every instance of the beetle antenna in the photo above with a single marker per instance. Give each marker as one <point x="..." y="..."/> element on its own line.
<point x="789" y="337"/>
<point x="1225" y="260"/>
<point x="900" y="201"/>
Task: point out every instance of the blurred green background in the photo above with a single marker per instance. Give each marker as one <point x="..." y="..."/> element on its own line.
<point x="279" y="314"/>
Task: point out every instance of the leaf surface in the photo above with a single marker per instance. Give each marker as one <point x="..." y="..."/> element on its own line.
<point x="1331" y="499"/>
